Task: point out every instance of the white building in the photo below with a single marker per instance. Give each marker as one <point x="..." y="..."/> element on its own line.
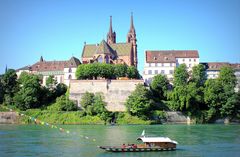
<point x="165" y="62"/>
<point x="63" y="71"/>
<point x="213" y="69"/>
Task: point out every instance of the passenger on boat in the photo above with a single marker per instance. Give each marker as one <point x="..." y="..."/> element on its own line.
<point x="123" y="146"/>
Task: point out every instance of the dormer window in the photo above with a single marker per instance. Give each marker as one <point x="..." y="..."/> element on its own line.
<point x="155" y="58"/>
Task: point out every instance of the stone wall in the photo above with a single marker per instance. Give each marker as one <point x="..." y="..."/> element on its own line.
<point x="8" y="118"/>
<point x="115" y="92"/>
<point x="176" y="117"/>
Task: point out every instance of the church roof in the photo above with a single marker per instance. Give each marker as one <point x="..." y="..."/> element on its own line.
<point x="122" y="49"/>
<point x="169" y="56"/>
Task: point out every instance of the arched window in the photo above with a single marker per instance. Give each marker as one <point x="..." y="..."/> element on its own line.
<point x="70" y="77"/>
<point x="100" y="59"/>
<point x="107" y="59"/>
<point x="70" y="70"/>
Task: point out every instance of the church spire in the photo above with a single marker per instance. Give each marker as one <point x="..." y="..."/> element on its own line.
<point x="132" y="29"/>
<point x="131" y="38"/>
<point x="111" y="36"/>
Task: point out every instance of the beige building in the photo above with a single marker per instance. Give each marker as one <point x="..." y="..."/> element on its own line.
<point x="213" y="69"/>
<point x="63" y="71"/>
<point x="165" y="61"/>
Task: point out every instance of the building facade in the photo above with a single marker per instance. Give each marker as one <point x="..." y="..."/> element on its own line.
<point x="213" y="70"/>
<point x="165" y="61"/>
<point x="63" y="71"/>
<point x="112" y="52"/>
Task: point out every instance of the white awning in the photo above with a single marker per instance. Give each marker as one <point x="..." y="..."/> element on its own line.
<point x="156" y="139"/>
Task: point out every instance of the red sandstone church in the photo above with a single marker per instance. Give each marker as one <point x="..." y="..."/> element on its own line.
<point x="111" y="52"/>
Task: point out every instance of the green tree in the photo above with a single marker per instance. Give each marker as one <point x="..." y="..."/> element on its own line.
<point x="29" y="93"/>
<point x="159" y="86"/>
<point x="10" y="85"/>
<point x="65" y="104"/>
<point x="180" y="75"/>
<point x="51" y="82"/>
<point x="198" y="75"/>
<point x="132" y="72"/>
<point x="213" y="97"/>
<point x="227" y="76"/>
<point x="140" y="102"/>
<point x="1" y="90"/>
<point x="120" y="70"/>
<point x="87" y="100"/>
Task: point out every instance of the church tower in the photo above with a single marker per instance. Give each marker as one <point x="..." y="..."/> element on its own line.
<point x="111" y="36"/>
<point x="131" y="38"/>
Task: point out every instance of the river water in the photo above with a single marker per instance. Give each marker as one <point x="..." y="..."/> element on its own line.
<point x="194" y="140"/>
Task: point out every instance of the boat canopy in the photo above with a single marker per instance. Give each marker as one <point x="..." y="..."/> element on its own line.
<point x="156" y="139"/>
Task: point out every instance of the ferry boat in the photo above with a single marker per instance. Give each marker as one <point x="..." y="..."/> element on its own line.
<point x="149" y="144"/>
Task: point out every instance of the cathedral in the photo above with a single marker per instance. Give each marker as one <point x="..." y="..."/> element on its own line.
<point x="111" y="52"/>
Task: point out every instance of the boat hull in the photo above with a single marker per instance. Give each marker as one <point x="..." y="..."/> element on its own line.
<point x="118" y="149"/>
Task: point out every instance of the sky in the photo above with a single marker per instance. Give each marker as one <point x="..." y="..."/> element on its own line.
<point x="57" y="29"/>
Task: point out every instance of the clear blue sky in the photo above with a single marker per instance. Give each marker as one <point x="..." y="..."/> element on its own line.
<point x="57" y="29"/>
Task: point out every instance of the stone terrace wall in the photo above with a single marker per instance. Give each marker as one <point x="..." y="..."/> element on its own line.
<point x="115" y="92"/>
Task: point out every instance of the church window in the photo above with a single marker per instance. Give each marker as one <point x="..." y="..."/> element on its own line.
<point x="100" y="59"/>
<point x="70" y="77"/>
<point x="107" y="59"/>
<point x="70" y="70"/>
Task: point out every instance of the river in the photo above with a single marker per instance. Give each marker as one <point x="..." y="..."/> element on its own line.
<point x="194" y="140"/>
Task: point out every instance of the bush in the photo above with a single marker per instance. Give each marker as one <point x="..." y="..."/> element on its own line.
<point x="63" y="104"/>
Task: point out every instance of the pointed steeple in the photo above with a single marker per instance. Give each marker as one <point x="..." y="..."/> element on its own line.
<point x="111" y="36"/>
<point x="6" y="69"/>
<point x="41" y="59"/>
<point x="131" y="38"/>
<point x="110" y="28"/>
<point x="132" y="29"/>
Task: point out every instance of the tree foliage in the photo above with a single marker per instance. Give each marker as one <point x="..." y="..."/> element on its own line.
<point x="94" y="105"/>
<point x="198" y="75"/>
<point x="103" y="70"/>
<point x="28" y="95"/>
<point x="140" y="102"/>
<point x="51" y="82"/>
<point x="10" y="85"/>
<point x="159" y="86"/>
<point x="180" y="75"/>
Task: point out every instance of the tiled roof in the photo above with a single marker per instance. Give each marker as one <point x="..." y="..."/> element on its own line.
<point x="218" y="65"/>
<point x="169" y="56"/>
<point x="24" y="68"/>
<point x="55" y="65"/>
<point x="122" y="49"/>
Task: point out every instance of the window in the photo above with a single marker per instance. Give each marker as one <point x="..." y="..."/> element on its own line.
<point x="170" y="64"/>
<point x="70" y="77"/>
<point x="107" y="59"/>
<point x="149" y="64"/>
<point x="156" y="71"/>
<point x="190" y="65"/>
<point x="171" y="71"/>
<point x="189" y="60"/>
<point x="183" y="60"/>
<point x="70" y="70"/>
<point x="155" y="64"/>
<point x="162" y="64"/>
<point x="194" y="60"/>
<point x="100" y="59"/>
<point x="149" y="72"/>
<point x="162" y="71"/>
